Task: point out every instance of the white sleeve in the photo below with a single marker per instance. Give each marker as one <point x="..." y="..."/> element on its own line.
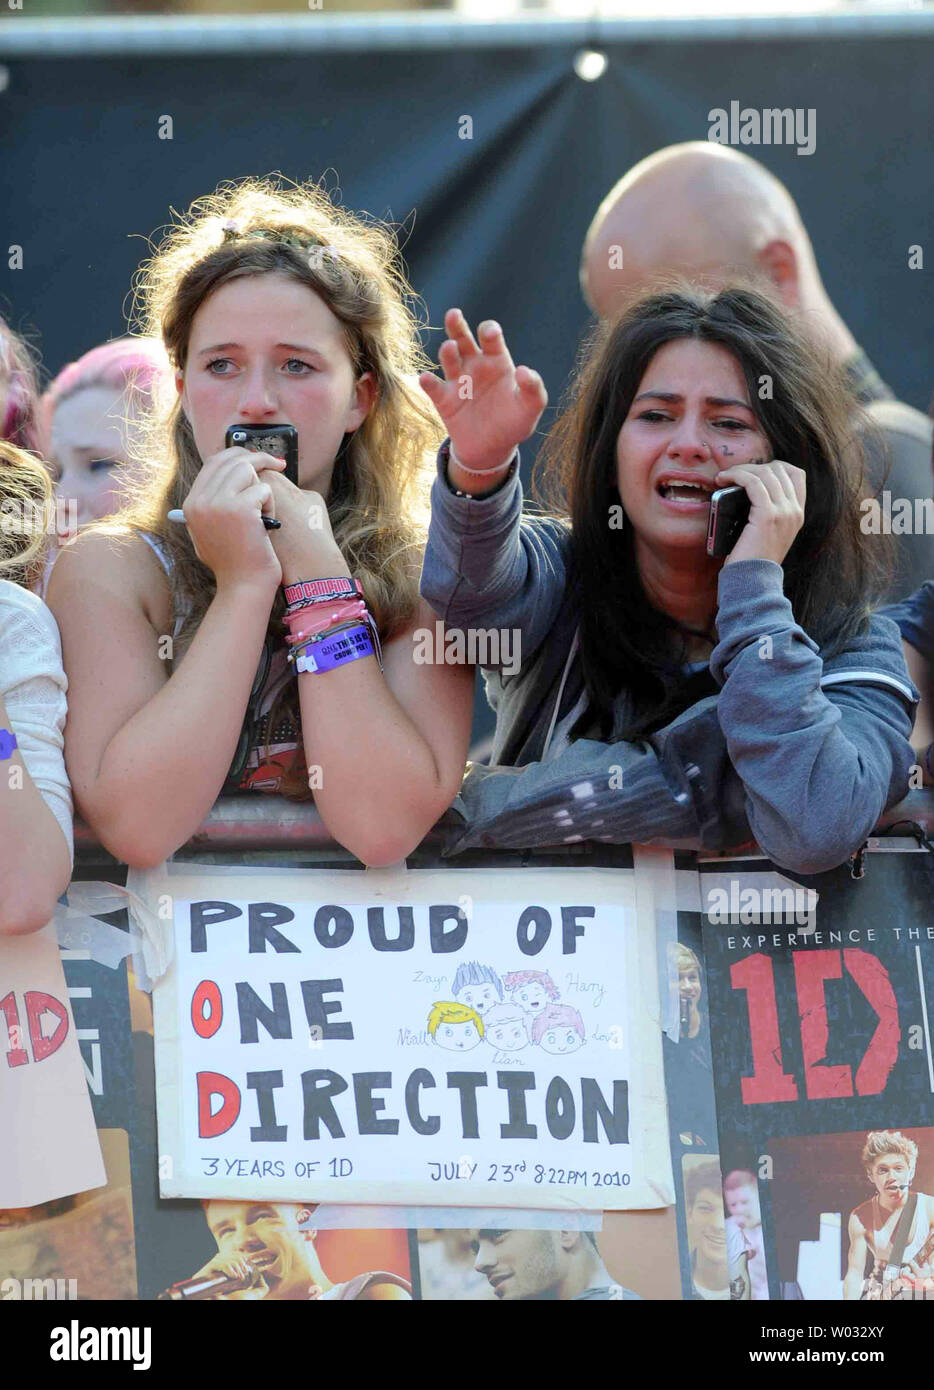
<point x="33" y="686"/>
<point x="736" y="1247"/>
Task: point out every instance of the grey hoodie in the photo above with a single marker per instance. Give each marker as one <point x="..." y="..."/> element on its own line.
<point x="801" y="754"/>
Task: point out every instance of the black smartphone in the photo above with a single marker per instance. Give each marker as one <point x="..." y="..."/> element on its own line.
<point x="279" y="440"/>
<point x="729" y="512"/>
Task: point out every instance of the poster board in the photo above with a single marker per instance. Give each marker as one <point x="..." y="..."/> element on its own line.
<point x="43" y="1097"/>
<point x="821" y="1037"/>
<point x="315" y="1040"/>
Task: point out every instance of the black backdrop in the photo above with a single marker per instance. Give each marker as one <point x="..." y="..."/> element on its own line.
<point x="498" y="219"/>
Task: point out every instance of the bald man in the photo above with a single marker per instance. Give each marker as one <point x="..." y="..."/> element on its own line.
<point x="710" y="213"/>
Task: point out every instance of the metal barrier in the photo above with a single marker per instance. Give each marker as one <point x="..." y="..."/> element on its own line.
<point x="177" y="35"/>
<point x="263" y="825"/>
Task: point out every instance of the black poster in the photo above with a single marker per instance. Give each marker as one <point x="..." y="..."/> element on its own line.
<point x="821" y="1042"/>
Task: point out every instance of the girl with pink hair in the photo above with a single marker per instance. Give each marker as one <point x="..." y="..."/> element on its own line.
<point x="19" y="392"/>
<point x="91" y="417"/>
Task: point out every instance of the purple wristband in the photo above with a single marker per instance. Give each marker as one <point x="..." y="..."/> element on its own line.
<point x="8" y="744"/>
<point x="349" y="644"/>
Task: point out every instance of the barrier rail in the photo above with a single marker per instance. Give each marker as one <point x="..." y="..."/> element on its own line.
<point x="245" y="824"/>
<point x="97" y="36"/>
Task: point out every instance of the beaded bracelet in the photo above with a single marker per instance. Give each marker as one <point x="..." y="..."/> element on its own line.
<point x="338" y="614"/>
<point x="294" y="651"/>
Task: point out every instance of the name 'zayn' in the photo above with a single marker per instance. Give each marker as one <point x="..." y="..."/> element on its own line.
<point x="478" y="646"/>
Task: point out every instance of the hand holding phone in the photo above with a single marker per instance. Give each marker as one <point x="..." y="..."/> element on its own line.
<point x="765" y="525"/>
<point x="729" y="512"/>
<point x="279" y="440"/>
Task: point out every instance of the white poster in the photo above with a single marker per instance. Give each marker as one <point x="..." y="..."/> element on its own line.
<point x="478" y="1037"/>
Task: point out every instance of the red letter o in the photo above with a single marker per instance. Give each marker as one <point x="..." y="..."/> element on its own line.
<point x="206" y="1025"/>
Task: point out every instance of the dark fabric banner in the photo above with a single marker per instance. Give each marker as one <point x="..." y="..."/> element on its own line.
<point x="494" y="222"/>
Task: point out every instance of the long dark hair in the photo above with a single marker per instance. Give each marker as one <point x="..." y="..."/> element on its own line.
<point x="832" y="572"/>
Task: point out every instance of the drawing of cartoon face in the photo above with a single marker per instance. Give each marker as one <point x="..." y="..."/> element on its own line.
<point x="531" y="997"/>
<point x="509" y="1036"/>
<point x="457" y="1037"/>
<point x="480" y="998"/>
<point x="561" y="1039"/>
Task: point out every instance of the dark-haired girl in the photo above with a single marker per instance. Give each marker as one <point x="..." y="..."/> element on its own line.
<point x="665" y="695"/>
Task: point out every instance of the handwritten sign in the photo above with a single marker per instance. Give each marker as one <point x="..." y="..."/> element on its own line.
<point x="435" y="1036"/>
<point x="50" y="1147"/>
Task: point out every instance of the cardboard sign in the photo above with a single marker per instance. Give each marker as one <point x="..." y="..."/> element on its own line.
<point x="50" y="1147"/>
<point x="432" y="1036"/>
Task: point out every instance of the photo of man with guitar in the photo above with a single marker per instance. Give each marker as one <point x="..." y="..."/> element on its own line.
<point x="891" y="1253"/>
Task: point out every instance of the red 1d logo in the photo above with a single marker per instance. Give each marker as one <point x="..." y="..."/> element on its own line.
<point x="46" y="1021"/>
<point x="769" y="1081"/>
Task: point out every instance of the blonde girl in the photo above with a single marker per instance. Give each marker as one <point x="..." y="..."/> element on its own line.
<point x="276" y="307"/>
<point x="35" y="801"/>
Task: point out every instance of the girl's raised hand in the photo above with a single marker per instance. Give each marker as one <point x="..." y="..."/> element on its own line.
<point x="487" y="404"/>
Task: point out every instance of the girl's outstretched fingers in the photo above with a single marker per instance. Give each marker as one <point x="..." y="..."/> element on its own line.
<point x="458" y="330"/>
<point x="532" y="387"/>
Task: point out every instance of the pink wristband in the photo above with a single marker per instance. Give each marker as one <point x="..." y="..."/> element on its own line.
<point x="303" y="625"/>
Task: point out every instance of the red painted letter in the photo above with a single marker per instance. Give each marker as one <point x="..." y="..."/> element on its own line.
<point x="206" y="1024"/>
<point x="38" y="1008"/>
<point x="882" y="1053"/>
<point x="211" y="1084"/>
<point x="16" y="1056"/>
<point x="812" y="968"/>
<point x="768" y="1081"/>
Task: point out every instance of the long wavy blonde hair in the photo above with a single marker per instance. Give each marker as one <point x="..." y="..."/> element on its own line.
<point x="26" y="515"/>
<point x="378" y="502"/>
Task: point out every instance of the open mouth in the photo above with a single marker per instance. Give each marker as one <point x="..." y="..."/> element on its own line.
<point x="685" y="492"/>
<point x="497" y="1282"/>
<point x="263" y="1262"/>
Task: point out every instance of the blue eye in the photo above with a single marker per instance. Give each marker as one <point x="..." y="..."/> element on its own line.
<point x="218" y="362"/>
<point x="296" y="361"/>
<point x="97" y="465"/>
